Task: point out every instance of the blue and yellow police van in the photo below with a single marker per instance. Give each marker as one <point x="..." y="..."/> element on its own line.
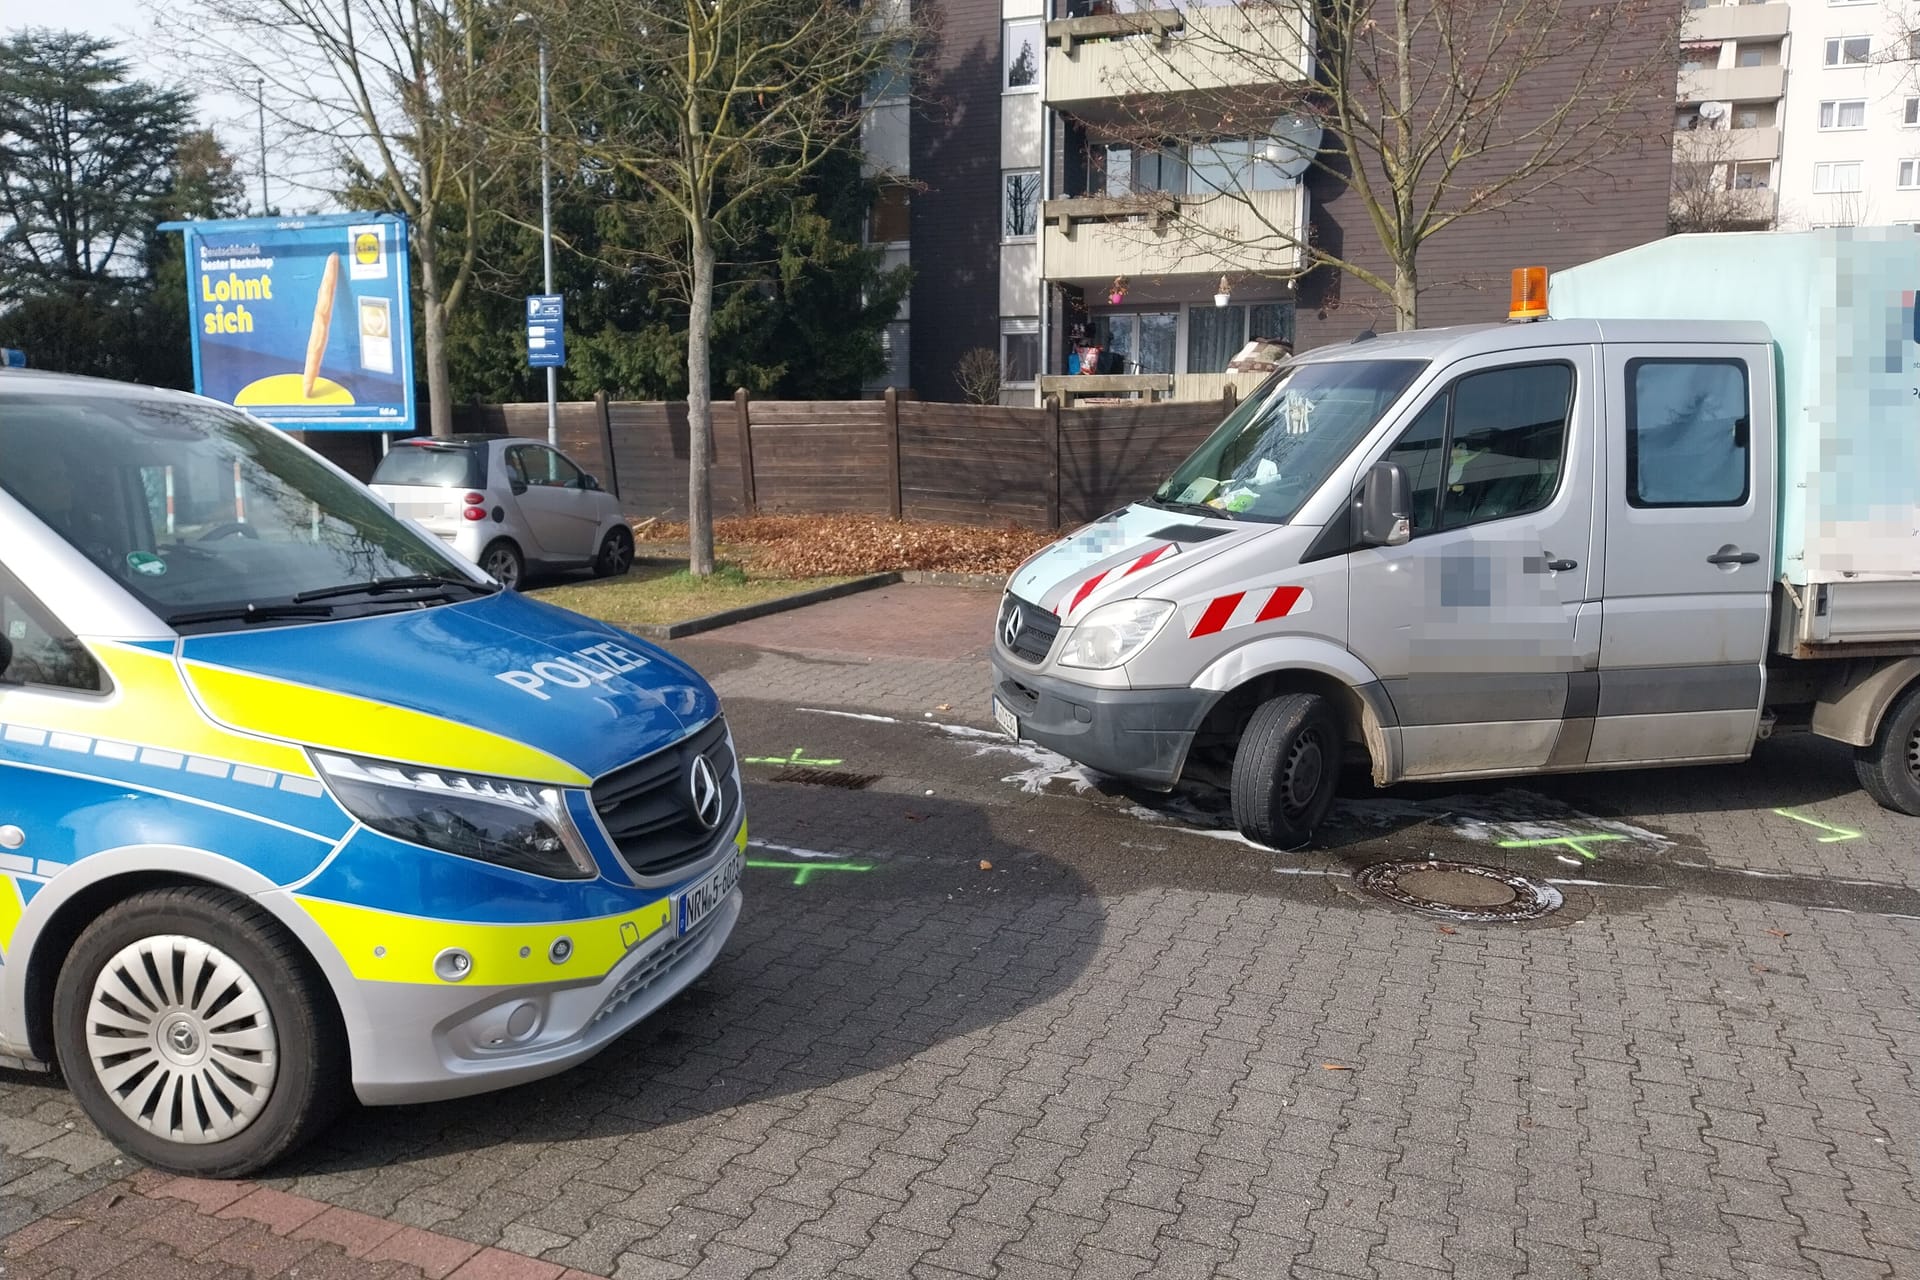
<point x="293" y="801"/>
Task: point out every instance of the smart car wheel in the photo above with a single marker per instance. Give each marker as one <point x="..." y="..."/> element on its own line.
<point x="195" y="1033"/>
<point x="1286" y="770"/>
<point x="504" y="562"/>
<point x="616" y="553"/>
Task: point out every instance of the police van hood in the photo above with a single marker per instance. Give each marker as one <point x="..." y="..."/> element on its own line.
<point x="503" y="685"/>
<point x="1134" y="545"/>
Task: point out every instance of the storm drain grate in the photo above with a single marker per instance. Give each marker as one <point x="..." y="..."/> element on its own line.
<point x="828" y="778"/>
<point x="1459" y="890"/>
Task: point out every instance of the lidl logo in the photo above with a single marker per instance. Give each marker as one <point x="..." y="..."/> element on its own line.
<point x="366" y="250"/>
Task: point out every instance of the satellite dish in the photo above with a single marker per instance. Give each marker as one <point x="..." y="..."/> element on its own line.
<point x="1713" y="110"/>
<point x="1292" y="144"/>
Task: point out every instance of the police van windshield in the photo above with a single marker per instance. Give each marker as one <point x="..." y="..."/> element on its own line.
<point x="1281" y="444"/>
<point x="212" y="520"/>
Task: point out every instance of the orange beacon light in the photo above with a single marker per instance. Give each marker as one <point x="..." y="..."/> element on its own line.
<point x="1529" y="294"/>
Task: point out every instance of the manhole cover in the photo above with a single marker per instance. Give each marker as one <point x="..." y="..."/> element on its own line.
<point x="1459" y="890"/>
<point x="828" y="778"/>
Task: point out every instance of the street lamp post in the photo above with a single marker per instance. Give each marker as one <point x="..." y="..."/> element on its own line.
<point x="546" y="243"/>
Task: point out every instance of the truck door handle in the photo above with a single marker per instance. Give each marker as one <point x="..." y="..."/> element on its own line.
<point x="1563" y="566"/>
<point x="1735" y="557"/>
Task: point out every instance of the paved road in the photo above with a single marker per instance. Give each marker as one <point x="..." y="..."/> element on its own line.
<point x="987" y="1018"/>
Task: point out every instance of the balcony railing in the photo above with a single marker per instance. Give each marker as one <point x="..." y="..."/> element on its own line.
<point x="1162" y="234"/>
<point x="1114" y="57"/>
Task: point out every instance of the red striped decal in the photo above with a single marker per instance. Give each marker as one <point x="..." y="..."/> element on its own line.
<point x="1086" y="589"/>
<point x="1280" y="603"/>
<point x="1217" y="614"/>
<point x="1148" y="558"/>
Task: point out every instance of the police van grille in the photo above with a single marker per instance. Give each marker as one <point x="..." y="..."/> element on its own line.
<point x="1038" y="627"/>
<point x="648" y="812"/>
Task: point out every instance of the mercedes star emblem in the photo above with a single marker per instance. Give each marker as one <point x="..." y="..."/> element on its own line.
<point x="703" y="786"/>
<point x="1011" y="631"/>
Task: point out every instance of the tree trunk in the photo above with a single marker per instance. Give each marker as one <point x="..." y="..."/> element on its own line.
<point x="700" y="405"/>
<point x="434" y="325"/>
<point x="1406" y="296"/>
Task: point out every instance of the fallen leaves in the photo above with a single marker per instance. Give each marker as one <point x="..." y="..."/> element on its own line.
<point x="1447" y="928"/>
<point x="985" y="865"/>
<point x="1780" y="933"/>
<point x="1334" y="1066"/>
<point x="835" y="545"/>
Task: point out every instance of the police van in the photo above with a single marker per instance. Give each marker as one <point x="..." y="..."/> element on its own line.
<point x="294" y="801"/>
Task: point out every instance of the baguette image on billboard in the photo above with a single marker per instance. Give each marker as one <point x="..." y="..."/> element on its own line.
<point x="322" y="324"/>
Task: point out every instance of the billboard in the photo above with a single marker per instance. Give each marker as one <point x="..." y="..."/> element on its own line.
<point x="304" y="322"/>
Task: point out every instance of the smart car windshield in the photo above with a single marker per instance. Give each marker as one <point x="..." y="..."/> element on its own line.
<point x="212" y="520"/>
<point x="1283" y="441"/>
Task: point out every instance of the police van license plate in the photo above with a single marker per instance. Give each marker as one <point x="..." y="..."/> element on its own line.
<point x="697" y="903"/>
<point x="1008" y="722"/>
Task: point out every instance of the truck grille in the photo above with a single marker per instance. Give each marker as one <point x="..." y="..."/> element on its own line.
<point x="1034" y="636"/>
<point x="647" y="806"/>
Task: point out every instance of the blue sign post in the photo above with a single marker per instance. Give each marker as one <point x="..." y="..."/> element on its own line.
<point x="13" y="357"/>
<point x="546" y="331"/>
<point x="304" y="322"/>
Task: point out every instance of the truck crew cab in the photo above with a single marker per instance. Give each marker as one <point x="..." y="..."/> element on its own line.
<point x="1680" y="513"/>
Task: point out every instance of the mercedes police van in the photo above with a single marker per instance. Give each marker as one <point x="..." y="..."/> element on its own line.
<point x="293" y="799"/>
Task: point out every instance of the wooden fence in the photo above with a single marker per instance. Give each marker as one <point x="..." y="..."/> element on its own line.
<point x="965" y="464"/>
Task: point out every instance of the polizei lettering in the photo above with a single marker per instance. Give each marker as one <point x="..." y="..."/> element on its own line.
<point x="595" y="664"/>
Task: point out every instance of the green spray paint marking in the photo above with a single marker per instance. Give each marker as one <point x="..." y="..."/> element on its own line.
<point x="795" y="759"/>
<point x="801" y="870"/>
<point x="1576" y="843"/>
<point x="1839" y="833"/>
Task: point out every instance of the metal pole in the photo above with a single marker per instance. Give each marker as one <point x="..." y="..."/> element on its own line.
<point x="260" y="100"/>
<point x="546" y="245"/>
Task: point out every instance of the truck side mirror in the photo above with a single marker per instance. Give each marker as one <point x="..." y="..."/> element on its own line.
<point x="1386" y="506"/>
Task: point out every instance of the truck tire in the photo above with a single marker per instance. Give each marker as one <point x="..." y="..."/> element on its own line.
<point x="196" y="1034"/>
<point x="1889" y="768"/>
<point x="1286" y="770"/>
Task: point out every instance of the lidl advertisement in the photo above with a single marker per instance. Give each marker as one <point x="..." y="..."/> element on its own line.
<point x="304" y="322"/>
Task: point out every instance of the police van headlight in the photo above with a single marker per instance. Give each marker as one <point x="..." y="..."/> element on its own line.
<point x="518" y="825"/>
<point x="1113" y="633"/>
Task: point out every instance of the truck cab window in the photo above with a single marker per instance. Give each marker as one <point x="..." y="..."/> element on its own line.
<point x="1687" y="424"/>
<point x="44" y="652"/>
<point x="1419" y="451"/>
<point x="1506" y="442"/>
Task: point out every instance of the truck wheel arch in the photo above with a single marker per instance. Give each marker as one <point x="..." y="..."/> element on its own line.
<point x="1855" y="699"/>
<point x="1263" y="669"/>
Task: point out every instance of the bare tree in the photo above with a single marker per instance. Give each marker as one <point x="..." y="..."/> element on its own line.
<point x="1432" y="112"/>
<point x="978" y="374"/>
<point x="709" y="106"/>
<point x="1708" y="192"/>
<point x="397" y="94"/>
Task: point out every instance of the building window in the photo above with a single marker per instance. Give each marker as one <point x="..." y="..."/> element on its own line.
<point x="1910" y="175"/>
<point x="1699" y="57"/>
<point x="1755" y="175"/>
<point x="1232" y="165"/>
<point x="888" y="221"/>
<point x="1021" y="204"/>
<point x="1848" y="51"/>
<point x="1269" y="321"/>
<point x="1747" y="56"/>
<point x="1117" y="170"/>
<point x="1913" y="46"/>
<point x="1910" y="113"/>
<point x="1136" y="342"/>
<point x="1022" y="51"/>
<point x="889" y="83"/>
<point x="1838" y="178"/>
<point x="1019" y="352"/>
<point x="1850" y="113"/>
<point x="1214" y="336"/>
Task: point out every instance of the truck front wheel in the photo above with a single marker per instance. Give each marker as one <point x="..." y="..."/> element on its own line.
<point x="1889" y="768"/>
<point x="1286" y="769"/>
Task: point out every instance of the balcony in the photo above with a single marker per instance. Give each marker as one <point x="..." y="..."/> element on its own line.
<point x="1737" y="22"/>
<point x="1159" y="234"/>
<point x="1732" y="84"/>
<point x="1109" y="58"/>
<point x="1722" y="146"/>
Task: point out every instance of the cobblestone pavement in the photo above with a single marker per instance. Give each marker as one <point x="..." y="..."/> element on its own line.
<point x="1054" y="1030"/>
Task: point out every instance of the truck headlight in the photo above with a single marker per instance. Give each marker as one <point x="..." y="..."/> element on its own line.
<point x="1113" y="633"/>
<point x="518" y="825"/>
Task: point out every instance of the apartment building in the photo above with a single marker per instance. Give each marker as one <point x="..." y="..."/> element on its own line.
<point x="1044" y="225"/>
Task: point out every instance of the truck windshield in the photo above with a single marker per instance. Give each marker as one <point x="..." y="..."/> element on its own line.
<point x="1283" y="441"/>
<point x="210" y="519"/>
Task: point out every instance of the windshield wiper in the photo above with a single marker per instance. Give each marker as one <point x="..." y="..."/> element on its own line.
<point x="1198" y="508"/>
<point x="252" y="612"/>
<point x="406" y="582"/>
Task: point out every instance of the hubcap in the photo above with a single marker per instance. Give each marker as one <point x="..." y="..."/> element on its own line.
<point x="619" y="555"/>
<point x="501" y="565"/>
<point x="1913" y="754"/>
<point x="1301" y="773"/>
<point x="180" y="1037"/>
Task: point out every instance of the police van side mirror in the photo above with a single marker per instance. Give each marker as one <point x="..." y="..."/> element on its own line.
<point x="1386" y="506"/>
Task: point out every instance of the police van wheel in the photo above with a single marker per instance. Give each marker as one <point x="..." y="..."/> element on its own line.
<point x="503" y="560"/>
<point x="616" y="553"/>
<point x="194" y="1032"/>
<point x="1889" y="768"/>
<point x="1286" y="770"/>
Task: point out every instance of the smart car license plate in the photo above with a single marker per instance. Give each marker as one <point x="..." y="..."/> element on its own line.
<point x="1008" y="722"/>
<point x="698" y="902"/>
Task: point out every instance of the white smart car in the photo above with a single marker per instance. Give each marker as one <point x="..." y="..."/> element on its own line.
<point x="507" y="504"/>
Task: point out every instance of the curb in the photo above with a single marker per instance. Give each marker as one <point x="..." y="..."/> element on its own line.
<point x="973" y="581"/>
<point x="748" y="612"/>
